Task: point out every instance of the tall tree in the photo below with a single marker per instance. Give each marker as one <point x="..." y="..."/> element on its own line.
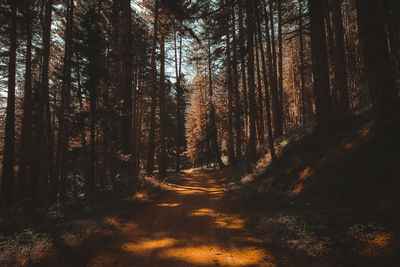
<point x="26" y="132"/>
<point x="127" y="57"/>
<point x="370" y="17"/>
<point x="178" y="66"/>
<point x="251" y="145"/>
<point x="243" y="64"/>
<point x="162" y="157"/>
<point x="329" y="39"/>
<point x="116" y="81"/>
<point x="323" y="105"/>
<point x="235" y="77"/>
<point x="280" y="62"/>
<point x="212" y="127"/>
<point x="260" y="109"/>
<point x="276" y="108"/>
<point x="7" y="181"/>
<point x="63" y="134"/>
<point x="339" y="57"/>
<point x="41" y="164"/>
<point x="301" y="54"/>
<point x="272" y="72"/>
<point x="93" y="52"/>
<point x="126" y="53"/>
<point x="267" y="98"/>
<point x="231" y="151"/>
<point x="150" y="148"/>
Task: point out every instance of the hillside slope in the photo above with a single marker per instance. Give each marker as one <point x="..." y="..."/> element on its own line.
<point x="332" y="200"/>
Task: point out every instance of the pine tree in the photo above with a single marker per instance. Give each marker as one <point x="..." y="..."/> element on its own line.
<point x="7" y="181"/>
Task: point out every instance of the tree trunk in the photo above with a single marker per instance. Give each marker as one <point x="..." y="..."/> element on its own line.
<point x="212" y="127"/>
<point x="153" y="94"/>
<point x="26" y="134"/>
<point x="7" y="181"/>
<point x="243" y="67"/>
<point x="231" y="151"/>
<point x="40" y="155"/>
<point x="330" y="50"/>
<point x="260" y="115"/>
<point x="127" y="124"/>
<point x="115" y="66"/>
<point x="94" y="60"/>
<point x="271" y="55"/>
<point x="251" y="145"/>
<point x="90" y="181"/>
<point x="267" y="98"/>
<point x="238" y="109"/>
<point x="280" y="64"/>
<point x="323" y="103"/>
<point x="340" y="57"/>
<point x="178" y="101"/>
<point x="140" y="119"/>
<point x="392" y="19"/>
<point x="370" y="16"/>
<point x="302" y="78"/>
<point x="63" y="134"/>
<point x="126" y="53"/>
<point x="162" y="156"/>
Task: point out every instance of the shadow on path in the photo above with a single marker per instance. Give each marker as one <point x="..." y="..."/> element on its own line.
<point x="194" y="223"/>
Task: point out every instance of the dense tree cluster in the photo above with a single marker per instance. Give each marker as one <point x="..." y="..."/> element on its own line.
<point x="95" y="92"/>
<point x="286" y="63"/>
<point x="86" y="82"/>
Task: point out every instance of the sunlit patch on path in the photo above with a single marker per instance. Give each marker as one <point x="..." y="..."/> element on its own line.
<point x="231" y="221"/>
<point x="145" y="245"/>
<point x="168" y="205"/>
<point x="194" y="223"/>
<point x="206" y="255"/>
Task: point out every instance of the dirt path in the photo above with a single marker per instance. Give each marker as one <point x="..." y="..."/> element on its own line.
<point x="194" y="223"/>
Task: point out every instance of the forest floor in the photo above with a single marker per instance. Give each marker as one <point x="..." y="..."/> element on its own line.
<point x="331" y="201"/>
<point x="193" y="222"/>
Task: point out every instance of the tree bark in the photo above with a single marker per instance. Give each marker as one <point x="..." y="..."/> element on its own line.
<point x="260" y="115"/>
<point x="370" y="17"/>
<point x="153" y="94"/>
<point x="330" y="51"/>
<point x="251" y="145"/>
<point x="212" y="127"/>
<point x="63" y="134"/>
<point x="7" y="181"/>
<point x="162" y="156"/>
<point x="178" y="101"/>
<point x="231" y="151"/>
<point x="116" y="79"/>
<point x="271" y="55"/>
<point x="267" y="99"/>
<point x="128" y="133"/>
<point x="243" y="66"/>
<point x="26" y="133"/>
<point x="323" y="103"/>
<point x="340" y="57"/>
<point x="280" y="64"/>
<point x="302" y="78"/>
<point x="41" y="159"/>
<point x="126" y="53"/>
<point x="238" y="109"/>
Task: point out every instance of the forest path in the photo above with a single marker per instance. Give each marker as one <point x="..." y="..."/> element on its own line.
<point x="194" y="223"/>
